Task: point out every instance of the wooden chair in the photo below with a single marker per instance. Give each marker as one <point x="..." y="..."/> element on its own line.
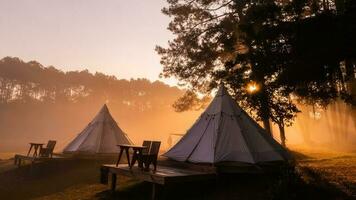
<point x="48" y="150"/>
<point x="137" y="155"/>
<point x="150" y="157"/>
<point x="147" y="144"/>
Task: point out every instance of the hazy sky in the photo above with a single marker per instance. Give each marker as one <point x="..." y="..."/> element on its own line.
<point x="112" y="36"/>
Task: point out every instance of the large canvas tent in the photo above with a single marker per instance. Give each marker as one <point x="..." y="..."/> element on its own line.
<point x="101" y="136"/>
<point x="226" y="133"/>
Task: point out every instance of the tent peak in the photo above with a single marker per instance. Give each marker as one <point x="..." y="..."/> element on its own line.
<point x="222" y="90"/>
<point x="104" y="108"/>
<point x="100" y="136"/>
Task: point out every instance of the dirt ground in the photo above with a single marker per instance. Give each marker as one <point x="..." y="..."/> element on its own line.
<point x="318" y="175"/>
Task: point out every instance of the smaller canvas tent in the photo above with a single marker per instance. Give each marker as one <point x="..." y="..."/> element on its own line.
<point x="226" y="133"/>
<point x="100" y="136"/>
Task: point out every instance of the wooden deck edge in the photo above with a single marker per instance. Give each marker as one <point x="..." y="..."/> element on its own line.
<point x="151" y="177"/>
<point x="140" y="176"/>
<point x="19" y="159"/>
<point x="163" y="176"/>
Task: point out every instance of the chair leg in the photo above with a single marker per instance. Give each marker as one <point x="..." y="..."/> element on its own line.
<point x="147" y="166"/>
<point x="147" y="163"/>
<point x="141" y="160"/>
<point x="154" y="162"/>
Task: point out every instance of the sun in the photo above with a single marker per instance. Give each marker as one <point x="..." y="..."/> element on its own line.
<point x="252" y="87"/>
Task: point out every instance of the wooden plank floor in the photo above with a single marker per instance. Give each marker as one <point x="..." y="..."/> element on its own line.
<point x="164" y="174"/>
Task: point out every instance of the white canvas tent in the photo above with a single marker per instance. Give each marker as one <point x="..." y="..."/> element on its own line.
<point x="226" y="133"/>
<point x="100" y="136"/>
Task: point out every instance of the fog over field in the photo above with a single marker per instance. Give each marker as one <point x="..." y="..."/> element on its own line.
<point x="39" y="103"/>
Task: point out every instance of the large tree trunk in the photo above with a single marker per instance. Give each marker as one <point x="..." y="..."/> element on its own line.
<point x="265" y="111"/>
<point x="267" y="126"/>
<point x="282" y="134"/>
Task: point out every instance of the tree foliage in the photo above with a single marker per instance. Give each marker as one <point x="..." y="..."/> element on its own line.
<point x="289" y="49"/>
<point x="190" y="101"/>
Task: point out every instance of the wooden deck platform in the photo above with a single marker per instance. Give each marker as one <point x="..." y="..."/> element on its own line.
<point x="19" y="159"/>
<point x="164" y="175"/>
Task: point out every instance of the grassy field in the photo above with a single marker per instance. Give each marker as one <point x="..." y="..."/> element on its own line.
<point x="336" y="169"/>
<point x="316" y="176"/>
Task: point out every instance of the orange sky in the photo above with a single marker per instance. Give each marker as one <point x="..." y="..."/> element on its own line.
<point x="112" y="36"/>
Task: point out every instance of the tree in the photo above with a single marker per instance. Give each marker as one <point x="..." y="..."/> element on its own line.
<point x="220" y="41"/>
<point x="259" y="42"/>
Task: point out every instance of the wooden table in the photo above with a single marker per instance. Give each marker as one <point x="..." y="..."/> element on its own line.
<point x="137" y="153"/>
<point x="36" y="147"/>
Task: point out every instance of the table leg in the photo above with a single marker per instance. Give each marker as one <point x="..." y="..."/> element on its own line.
<point x="35" y="153"/>
<point x="128" y="157"/>
<point x="29" y="151"/>
<point x="134" y="158"/>
<point x="120" y="154"/>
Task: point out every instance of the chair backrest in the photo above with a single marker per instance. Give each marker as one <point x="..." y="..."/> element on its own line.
<point x="154" y="148"/>
<point x="51" y="144"/>
<point x="147" y="144"/>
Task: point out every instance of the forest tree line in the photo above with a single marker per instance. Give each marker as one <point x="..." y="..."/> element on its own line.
<point x="30" y="82"/>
